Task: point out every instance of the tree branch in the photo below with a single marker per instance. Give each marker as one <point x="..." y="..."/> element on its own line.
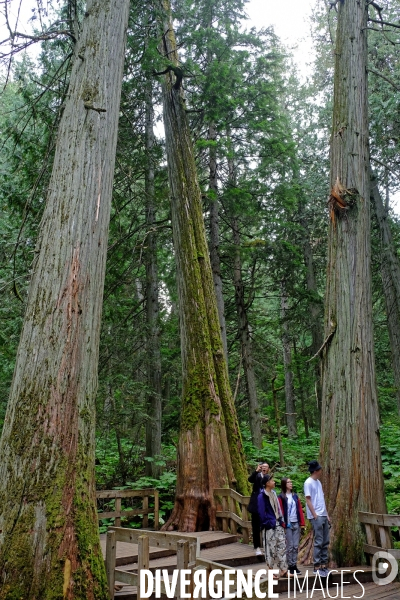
<point x="396" y="87"/>
<point x="383" y="23"/>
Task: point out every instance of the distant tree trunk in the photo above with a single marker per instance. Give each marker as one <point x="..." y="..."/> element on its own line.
<point x="214" y="236"/>
<point x="49" y="538"/>
<point x="210" y="451"/>
<point x="287" y="363"/>
<point x="153" y="425"/>
<point x="301" y="392"/>
<point x="390" y="270"/>
<point x="278" y="420"/>
<point x="316" y="317"/>
<point x="245" y="339"/>
<point x="350" y="450"/>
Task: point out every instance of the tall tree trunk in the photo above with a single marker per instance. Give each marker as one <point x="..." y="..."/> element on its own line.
<point x="287" y="364"/>
<point x="301" y="392"/>
<point x="210" y="451"/>
<point x="316" y="316"/>
<point x="245" y="339"/>
<point x="390" y="270"/>
<point x="350" y="450"/>
<point x="214" y="235"/>
<point x="49" y="540"/>
<point x="153" y="425"/>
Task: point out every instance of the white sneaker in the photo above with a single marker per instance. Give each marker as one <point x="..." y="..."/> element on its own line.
<point x="258" y="552"/>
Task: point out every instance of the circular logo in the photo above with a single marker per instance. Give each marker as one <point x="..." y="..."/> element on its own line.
<point x="384" y="572"/>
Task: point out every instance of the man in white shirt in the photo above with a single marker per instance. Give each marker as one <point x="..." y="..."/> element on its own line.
<point x="318" y="516"/>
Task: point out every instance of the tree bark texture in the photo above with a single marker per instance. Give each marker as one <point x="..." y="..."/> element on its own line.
<point x="287" y="365"/>
<point x="210" y="451"/>
<point x="245" y="339"/>
<point x="49" y="540"/>
<point x="350" y="450"/>
<point x="390" y="271"/>
<point x="153" y="425"/>
<point x="214" y="236"/>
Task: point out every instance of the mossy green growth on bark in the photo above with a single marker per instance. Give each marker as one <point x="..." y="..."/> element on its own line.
<point x="343" y="552"/>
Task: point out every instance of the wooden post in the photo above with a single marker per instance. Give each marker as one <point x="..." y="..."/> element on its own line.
<point x="145" y="506"/>
<point x="117" y="522"/>
<point x="143" y="559"/>
<point x="111" y="554"/>
<point x="245" y="531"/>
<point x="225" y="509"/>
<point x="156" y="510"/>
<point x="233" y="510"/>
<point x="182" y="562"/>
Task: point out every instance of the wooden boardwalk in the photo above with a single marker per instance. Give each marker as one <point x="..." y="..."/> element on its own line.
<point x="223" y="548"/>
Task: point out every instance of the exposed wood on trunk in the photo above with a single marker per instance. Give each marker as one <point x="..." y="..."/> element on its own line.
<point x="287" y="364"/>
<point x="214" y="235"/>
<point x="350" y="451"/>
<point x="49" y="540"/>
<point x="390" y="271"/>
<point x="154" y="407"/>
<point x="210" y="451"/>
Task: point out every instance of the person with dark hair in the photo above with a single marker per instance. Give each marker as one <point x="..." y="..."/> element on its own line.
<point x="318" y="516"/>
<point x="272" y="525"/>
<point x="293" y="520"/>
<point x="256" y="479"/>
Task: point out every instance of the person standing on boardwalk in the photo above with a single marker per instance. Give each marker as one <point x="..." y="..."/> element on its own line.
<point x="293" y="520"/>
<point x="272" y="524"/>
<point x="256" y="479"/>
<point x="318" y="516"/>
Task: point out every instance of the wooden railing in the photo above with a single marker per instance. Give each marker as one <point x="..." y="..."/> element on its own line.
<point x="118" y="512"/>
<point x="234" y="512"/>
<point x="187" y="548"/>
<point x="377" y="524"/>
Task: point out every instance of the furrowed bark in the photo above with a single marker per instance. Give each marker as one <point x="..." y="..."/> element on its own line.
<point x="350" y="451"/>
<point x="153" y="425"/>
<point x="49" y="541"/>
<point x="210" y="452"/>
<point x="390" y="271"/>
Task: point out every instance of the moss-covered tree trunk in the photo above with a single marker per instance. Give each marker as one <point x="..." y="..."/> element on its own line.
<point x="214" y="235"/>
<point x="154" y="406"/>
<point x="350" y="451"/>
<point x="210" y="452"/>
<point x="390" y="270"/>
<point x="49" y="541"/>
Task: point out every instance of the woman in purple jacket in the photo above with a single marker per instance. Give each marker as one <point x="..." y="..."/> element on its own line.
<point x="271" y="519"/>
